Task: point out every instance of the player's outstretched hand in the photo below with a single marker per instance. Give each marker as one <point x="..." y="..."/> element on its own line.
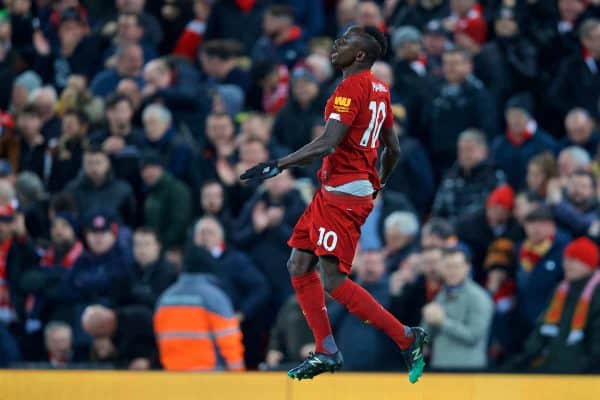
<point x="263" y="170"/>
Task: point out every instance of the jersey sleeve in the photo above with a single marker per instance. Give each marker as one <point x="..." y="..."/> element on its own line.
<point x="388" y="122"/>
<point x="346" y="103"/>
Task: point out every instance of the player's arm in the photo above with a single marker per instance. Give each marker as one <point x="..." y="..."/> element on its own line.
<point x="390" y="155"/>
<point x="317" y="149"/>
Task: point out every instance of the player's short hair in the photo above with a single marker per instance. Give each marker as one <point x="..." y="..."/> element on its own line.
<point x="473" y="134"/>
<point x="376" y="43"/>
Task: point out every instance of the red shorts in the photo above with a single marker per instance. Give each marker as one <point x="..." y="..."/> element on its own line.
<point x="330" y="225"/>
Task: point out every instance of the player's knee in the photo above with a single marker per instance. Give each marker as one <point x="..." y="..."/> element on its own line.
<point x="332" y="279"/>
<point x="297" y="268"/>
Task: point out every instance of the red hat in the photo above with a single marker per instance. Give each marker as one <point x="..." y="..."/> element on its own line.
<point x="584" y="250"/>
<point x="502" y="196"/>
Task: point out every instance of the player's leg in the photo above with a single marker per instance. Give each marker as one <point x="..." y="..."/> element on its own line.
<point x="309" y="291"/>
<point x="363" y="305"/>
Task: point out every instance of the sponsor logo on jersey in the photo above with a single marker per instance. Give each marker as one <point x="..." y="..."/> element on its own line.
<point x="378" y="87"/>
<point x="342" y="104"/>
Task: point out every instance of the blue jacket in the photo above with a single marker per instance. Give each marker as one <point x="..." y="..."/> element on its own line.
<point x="513" y="160"/>
<point x="106" y="81"/>
<point x="575" y="221"/>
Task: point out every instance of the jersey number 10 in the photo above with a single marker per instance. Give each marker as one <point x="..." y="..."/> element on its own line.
<point x="377" y="118"/>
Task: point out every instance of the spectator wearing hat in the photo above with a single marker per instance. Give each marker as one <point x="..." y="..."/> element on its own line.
<point x="567" y="336"/>
<point x="581" y="131"/>
<point x="577" y="208"/>
<point x="459" y="318"/>
<point x="523" y="140"/>
<point x="152" y="274"/>
<point x="128" y="63"/>
<point x="213" y="202"/>
<point x="507" y="64"/>
<point x="400" y="232"/>
<point x="460" y="102"/>
<point x="479" y="229"/>
<point x="539" y="267"/>
<point x="122" y="336"/>
<point x="96" y="188"/>
<point x="167" y="208"/>
<point x="24" y="84"/>
<point x="78" y="52"/>
<point x="470" y="180"/>
<point x="195" y="325"/>
<point x="293" y="123"/>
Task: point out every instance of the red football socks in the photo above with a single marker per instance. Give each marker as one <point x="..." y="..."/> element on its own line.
<point x="311" y="297"/>
<point x="360" y="303"/>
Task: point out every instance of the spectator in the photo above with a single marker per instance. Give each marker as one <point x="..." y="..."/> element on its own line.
<point x="541" y="171"/>
<point x="401" y="230"/>
<point x="460" y="102"/>
<point x="345" y="15"/>
<point x="581" y="131"/>
<point x="191" y="38"/>
<point x="566" y="337"/>
<point x="480" y="229"/>
<point x="322" y="69"/>
<point x="220" y="63"/>
<point x="214" y="204"/>
<point x="459" y="318"/>
<point x="438" y="233"/>
<point x="45" y="100"/>
<point x="129" y="31"/>
<point x="152" y="274"/>
<point x="67" y="156"/>
<point x="220" y="145"/>
<point x="259" y="126"/>
<point x="571" y="159"/>
<point x="366" y="349"/>
<point x="59" y="344"/>
<point x="293" y="124"/>
<point x="470" y="180"/>
<point x="309" y="15"/>
<point x="435" y="40"/>
<point x="524" y="139"/>
<point x="466" y="22"/>
<point x="160" y="135"/>
<point x="129" y="60"/>
<point x="415" y="284"/>
<point x="153" y="32"/>
<point x="577" y="83"/>
<point x="190" y="311"/>
<point x="539" y="268"/>
<point x="96" y="188"/>
<point x="32" y="200"/>
<point x="123" y="336"/>
<point x="526" y="202"/>
<point x="282" y="41"/>
<point x="577" y="208"/>
<point x="24" y="84"/>
<point x="264" y="225"/>
<point x="236" y="20"/>
<point x="167" y="208"/>
<point x="369" y="13"/>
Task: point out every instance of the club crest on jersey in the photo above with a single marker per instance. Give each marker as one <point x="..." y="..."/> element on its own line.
<point x="378" y="87"/>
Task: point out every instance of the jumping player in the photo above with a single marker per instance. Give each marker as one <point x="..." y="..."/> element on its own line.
<point x="356" y="115"/>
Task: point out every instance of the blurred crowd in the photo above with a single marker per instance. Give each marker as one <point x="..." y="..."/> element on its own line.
<point x="128" y="241"/>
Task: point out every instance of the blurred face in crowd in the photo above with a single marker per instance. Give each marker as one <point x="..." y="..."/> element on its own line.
<point x="409" y="51"/>
<point x="434" y="43"/>
<point x="29" y="124"/>
<point x="430" y="240"/>
<point x="59" y="344"/>
<point x="96" y="167"/>
<point x="154" y="126"/>
<point x="455" y="269"/>
<point x="516" y="121"/>
<point x="580" y="189"/>
<point x="72" y="126"/>
<point x="62" y="233"/>
<point x="456" y="67"/>
<point x="538" y="231"/>
<point x="305" y="91"/>
<point x="570" y="10"/>
<point x="99" y="321"/>
<point x="371" y="267"/>
<point x="19" y="7"/>
<point x="130" y="61"/>
<point x="208" y="234"/>
<point x="431" y="262"/>
<point x="383" y="71"/>
<point x="257" y="126"/>
<point x="6" y="228"/>
<point x="119" y="117"/>
<point x="523" y="207"/>
<point x="70" y="33"/>
<point x="253" y="152"/>
<point x="212" y="198"/>
<point x="320" y="66"/>
<point x="536" y="179"/>
<point x="280" y="185"/>
<point x="151" y="174"/>
<point x="346" y="12"/>
<point x="497" y="215"/>
<point x="471" y="153"/>
<point x="19" y="97"/>
<point x="100" y="242"/>
<point x="157" y="73"/>
<point x="128" y="28"/>
<point x="395" y="239"/>
<point x="567" y="164"/>
<point x="461" y="7"/>
<point x="5" y="31"/>
<point x="219" y="129"/>
<point x="369" y="13"/>
<point x="146" y="249"/>
<point x="506" y="27"/>
<point x="273" y="26"/>
<point x="575" y="269"/>
<point x="131" y="6"/>
<point x="579" y="127"/>
<point x="592" y="42"/>
<point x="45" y="103"/>
<point x="130" y="89"/>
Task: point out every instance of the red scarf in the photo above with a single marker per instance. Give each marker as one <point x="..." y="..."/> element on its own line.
<point x="518" y="140"/>
<point x="555" y="311"/>
<point x="7" y="313"/>
<point x="531" y="254"/>
<point x="245" y="5"/>
<point x="49" y="257"/>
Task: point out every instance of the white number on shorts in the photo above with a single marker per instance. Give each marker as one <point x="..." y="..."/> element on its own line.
<point x="377" y="118"/>
<point x="327" y="239"/>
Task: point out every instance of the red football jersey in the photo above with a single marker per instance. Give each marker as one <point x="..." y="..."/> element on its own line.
<point x="362" y="102"/>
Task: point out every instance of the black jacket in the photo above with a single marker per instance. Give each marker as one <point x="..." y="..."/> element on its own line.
<point x="149" y="282"/>
<point x="293" y="125"/>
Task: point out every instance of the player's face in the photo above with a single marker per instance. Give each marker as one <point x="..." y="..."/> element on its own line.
<point x="345" y="49"/>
